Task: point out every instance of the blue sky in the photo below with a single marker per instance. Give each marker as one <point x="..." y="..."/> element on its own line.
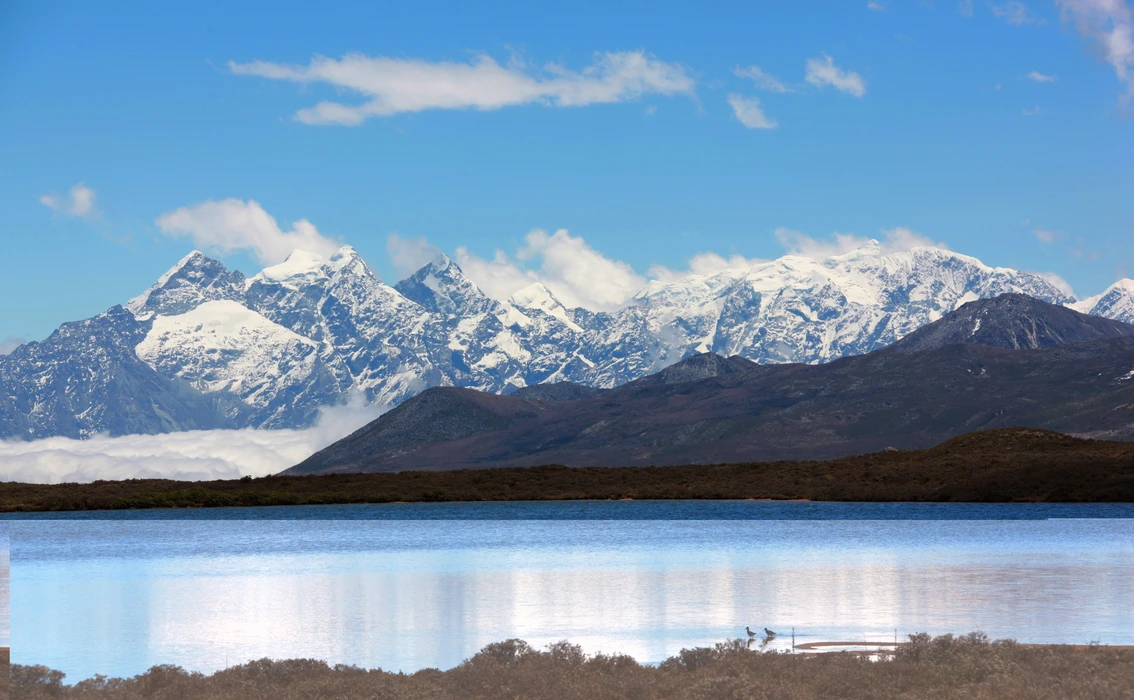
<point x="1000" y="129"/>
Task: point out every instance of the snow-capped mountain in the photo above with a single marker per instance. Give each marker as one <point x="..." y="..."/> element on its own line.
<point x="219" y="349"/>
<point x="1116" y="302"/>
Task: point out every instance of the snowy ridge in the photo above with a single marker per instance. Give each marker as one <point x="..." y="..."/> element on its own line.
<point x="1116" y="302"/>
<point x="313" y="331"/>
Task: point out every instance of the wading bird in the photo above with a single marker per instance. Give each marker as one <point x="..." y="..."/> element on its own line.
<point x="750" y="632"/>
<point x="769" y="632"/>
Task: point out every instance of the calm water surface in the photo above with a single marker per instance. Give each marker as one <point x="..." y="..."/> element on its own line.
<point x="408" y="587"/>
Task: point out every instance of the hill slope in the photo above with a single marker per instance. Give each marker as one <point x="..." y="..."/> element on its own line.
<point x="709" y="409"/>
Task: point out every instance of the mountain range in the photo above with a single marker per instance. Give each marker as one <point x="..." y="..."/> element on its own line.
<point x="206" y="347"/>
<point x="1008" y="361"/>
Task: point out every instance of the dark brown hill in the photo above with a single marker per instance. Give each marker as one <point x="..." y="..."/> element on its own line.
<point x="767" y="412"/>
<point x="962" y="373"/>
<point x="1013" y="321"/>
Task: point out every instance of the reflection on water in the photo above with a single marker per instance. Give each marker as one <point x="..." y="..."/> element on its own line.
<point x="3" y="584"/>
<point x="115" y="597"/>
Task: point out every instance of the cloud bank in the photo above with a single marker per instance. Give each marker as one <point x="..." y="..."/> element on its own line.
<point x="79" y="202"/>
<point x="579" y="275"/>
<point x="392" y="86"/>
<point x="9" y="344"/>
<point x="189" y="456"/>
<point x="233" y="224"/>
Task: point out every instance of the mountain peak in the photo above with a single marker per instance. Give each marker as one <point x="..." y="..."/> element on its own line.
<point x="443" y="287"/>
<point x="1116" y="301"/>
<point x="1014" y="321"/>
<point x="195" y="278"/>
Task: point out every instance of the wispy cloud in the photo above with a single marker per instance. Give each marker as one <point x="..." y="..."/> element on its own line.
<point x="1044" y="236"/>
<point x="895" y="240"/>
<point x="761" y="79"/>
<point x="1058" y="282"/>
<point x="410" y="254"/>
<point x="1031" y="111"/>
<point x="749" y="113"/>
<point x="10" y="344"/>
<point x="233" y="224"/>
<point x="965" y="7"/>
<point x="1109" y="26"/>
<point x="822" y="72"/>
<point x="706" y="263"/>
<point x="1017" y="13"/>
<point x="392" y="86"/>
<point x="80" y="202"/>
<point x="876" y="6"/>
<point x="1036" y="76"/>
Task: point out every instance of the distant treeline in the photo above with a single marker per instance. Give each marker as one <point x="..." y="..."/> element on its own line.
<point x="955" y="667"/>
<point x="1014" y="464"/>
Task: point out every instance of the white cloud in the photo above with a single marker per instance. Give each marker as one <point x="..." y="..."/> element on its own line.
<point x="410" y="254"/>
<point x="79" y="202"/>
<point x="10" y="344"/>
<point x="233" y="224"/>
<point x="1038" y="77"/>
<point x="1058" y="282"/>
<point x="748" y="112"/>
<point x="1016" y="13"/>
<point x="1044" y="236"/>
<point x="191" y="455"/>
<point x="761" y="79"/>
<point x="1109" y="25"/>
<point x="395" y="85"/>
<point x="706" y="263"/>
<point x="876" y="6"/>
<point x="965" y="7"/>
<point x="499" y="277"/>
<point x="1031" y="111"/>
<point x="577" y="274"/>
<point x="822" y="72"/>
<point x="894" y="240"/>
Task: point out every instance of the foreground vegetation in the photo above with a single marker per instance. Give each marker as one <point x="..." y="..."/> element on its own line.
<point x="947" y="666"/>
<point x="992" y="466"/>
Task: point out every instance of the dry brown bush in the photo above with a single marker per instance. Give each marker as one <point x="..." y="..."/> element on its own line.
<point x="970" y="666"/>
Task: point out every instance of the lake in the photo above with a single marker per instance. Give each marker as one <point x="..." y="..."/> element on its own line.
<point x="410" y="586"/>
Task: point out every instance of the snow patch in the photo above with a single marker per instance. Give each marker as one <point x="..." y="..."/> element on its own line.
<point x="301" y="267"/>
<point x="537" y="296"/>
